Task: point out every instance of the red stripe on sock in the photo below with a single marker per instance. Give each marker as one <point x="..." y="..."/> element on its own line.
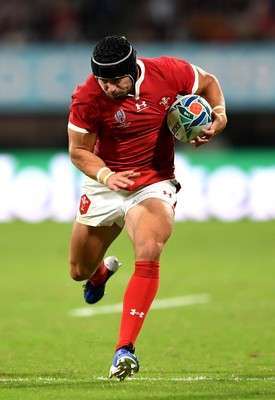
<point x="139" y="295"/>
<point x="100" y="275"/>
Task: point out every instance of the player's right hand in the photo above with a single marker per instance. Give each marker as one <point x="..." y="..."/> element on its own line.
<point x="121" y="180"/>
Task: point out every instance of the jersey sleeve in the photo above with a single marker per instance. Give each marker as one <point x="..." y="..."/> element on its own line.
<point x="83" y="116"/>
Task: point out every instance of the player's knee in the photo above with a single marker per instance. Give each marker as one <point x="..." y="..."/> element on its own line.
<point x="151" y="250"/>
<point x="77" y="273"/>
<point x="74" y="273"/>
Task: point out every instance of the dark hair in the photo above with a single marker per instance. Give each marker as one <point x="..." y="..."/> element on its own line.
<point x="114" y="57"/>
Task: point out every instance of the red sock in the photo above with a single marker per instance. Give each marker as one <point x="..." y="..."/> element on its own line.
<point x="100" y="275"/>
<point x="139" y="295"/>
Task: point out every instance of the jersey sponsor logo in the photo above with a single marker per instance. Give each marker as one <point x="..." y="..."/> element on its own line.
<point x="120" y="117"/>
<point x="84" y="204"/>
<point x="165" y="102"/>
<point x="141" y="106"/>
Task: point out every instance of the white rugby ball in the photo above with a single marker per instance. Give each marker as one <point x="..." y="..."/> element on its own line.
<point x="187" y="116"/>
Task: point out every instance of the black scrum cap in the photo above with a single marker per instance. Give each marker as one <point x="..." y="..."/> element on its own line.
<point x="114" y="57"/>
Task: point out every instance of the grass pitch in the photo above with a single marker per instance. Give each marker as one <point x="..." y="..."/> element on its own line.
<point x="220" y="349"/>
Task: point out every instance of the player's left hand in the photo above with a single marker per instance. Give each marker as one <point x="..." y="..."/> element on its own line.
<point x="218" y="125"/>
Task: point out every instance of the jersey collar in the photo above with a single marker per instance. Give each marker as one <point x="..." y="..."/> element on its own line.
<point x="139" y="81"/>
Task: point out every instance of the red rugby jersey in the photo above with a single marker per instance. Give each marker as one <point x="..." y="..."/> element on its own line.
<point x="132" y="133"/>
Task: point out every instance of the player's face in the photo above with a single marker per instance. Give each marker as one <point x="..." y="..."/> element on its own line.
<point x="117" y="88"/>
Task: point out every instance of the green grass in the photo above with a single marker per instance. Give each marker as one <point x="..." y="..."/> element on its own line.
<point x="222" y="349"/>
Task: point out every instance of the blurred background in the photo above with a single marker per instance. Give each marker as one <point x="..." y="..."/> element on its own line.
<point x="45" y="49"/>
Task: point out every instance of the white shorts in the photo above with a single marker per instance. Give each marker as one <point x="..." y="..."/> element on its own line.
<point x="100" y="206"/>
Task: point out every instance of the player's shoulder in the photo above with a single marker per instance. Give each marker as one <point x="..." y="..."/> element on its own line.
<point x="163" y="60"/>
<point x="87" y="90"/>
<point x="163" y="63"/>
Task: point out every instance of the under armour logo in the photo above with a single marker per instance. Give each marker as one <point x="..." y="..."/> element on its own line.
<point x="168" y="194"/>
<point x="135" y="312"/>
<point x="141" y="106"/>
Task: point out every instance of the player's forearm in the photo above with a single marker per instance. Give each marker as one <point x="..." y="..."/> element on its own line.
<point x="86" y="162"/>
<point x="95" y="168"/>
<point x="210" y="89"/>
<point x="213" y="94"/>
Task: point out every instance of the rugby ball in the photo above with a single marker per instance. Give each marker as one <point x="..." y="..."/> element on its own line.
<point x="187" y="116"/>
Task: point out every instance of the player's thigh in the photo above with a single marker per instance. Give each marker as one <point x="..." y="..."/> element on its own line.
<point x="89" y="245"/>
<point x="149" y="225"/>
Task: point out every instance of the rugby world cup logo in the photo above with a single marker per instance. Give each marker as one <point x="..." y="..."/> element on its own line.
<point x="120" y="117"/>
